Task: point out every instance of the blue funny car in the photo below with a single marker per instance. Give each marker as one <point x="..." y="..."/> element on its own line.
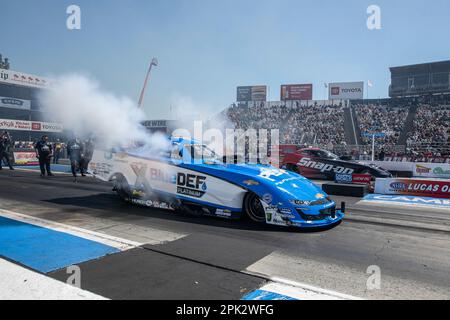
<point x="190" y="177"/>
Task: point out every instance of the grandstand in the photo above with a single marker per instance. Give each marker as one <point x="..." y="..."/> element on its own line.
<point x="411" y="127"/>
<point x="20" y="112"/>
<point x="413" y="123"/>
<point x="420" y="79"/>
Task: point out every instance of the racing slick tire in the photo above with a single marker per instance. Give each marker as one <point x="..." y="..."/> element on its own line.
<point x="121" y="187"/>
<point x="253" y="208"/>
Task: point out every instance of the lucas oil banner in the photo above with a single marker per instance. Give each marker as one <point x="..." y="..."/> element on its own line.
<point x="435" y="188"/>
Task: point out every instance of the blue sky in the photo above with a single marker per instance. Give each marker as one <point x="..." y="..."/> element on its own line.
<point x="208" y="47"/>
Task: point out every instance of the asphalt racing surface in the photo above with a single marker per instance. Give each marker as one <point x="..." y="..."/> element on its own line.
<point x="178" y="256"/>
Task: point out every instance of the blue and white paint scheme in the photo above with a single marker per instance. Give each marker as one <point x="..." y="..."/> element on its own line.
<point x="190" y="174"/>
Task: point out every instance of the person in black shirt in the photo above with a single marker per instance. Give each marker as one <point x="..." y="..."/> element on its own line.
<point x="88" y="151"/>
<point x="5" y="144"/>
<point x="75" y="151"/>
<point x="44" y="152"/>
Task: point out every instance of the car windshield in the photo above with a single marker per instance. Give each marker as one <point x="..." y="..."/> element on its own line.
<point x="327" y="155"/>
<point x="199" y="151"/>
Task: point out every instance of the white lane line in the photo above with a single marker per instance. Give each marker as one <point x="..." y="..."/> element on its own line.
<point x="308" y="292"/>
<point x="19" y="283"/>
<point x="116" y="242"/>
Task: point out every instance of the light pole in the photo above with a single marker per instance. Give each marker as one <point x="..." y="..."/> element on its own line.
<point x="154" y="62"/>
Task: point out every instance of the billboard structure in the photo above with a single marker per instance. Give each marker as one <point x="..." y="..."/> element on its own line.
<point x="251" y="93"/>
<point x="13" y="103"/>
<point x="346" y="90"/>
<point x="7" y="124"/>
<point x="290" y="92"/>
<point x="23" y="79"/>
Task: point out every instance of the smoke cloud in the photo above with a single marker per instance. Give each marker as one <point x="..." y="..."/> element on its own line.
<point x="84" y="108"/>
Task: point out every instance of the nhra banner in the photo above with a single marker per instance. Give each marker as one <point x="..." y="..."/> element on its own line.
<point x="23" y="79"/>
<point x="291" y="92"/>
<point x="435" y="188"/>
<point x="14" y="103"/>
<point x="22" y="158"/>
<point x="7" y="124"/>
<point x="251" y="93"/>
<point x="346" y="90"/>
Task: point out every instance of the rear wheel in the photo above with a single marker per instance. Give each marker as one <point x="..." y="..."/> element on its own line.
<point x="253" y="208"/>
<point x="122" y="187"/>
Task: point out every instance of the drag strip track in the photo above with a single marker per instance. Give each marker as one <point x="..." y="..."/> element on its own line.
<point x="414" y="261"/>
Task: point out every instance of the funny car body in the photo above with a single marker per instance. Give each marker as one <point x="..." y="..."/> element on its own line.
<point x="191" y="178"/>
<point x="315" y="163"/>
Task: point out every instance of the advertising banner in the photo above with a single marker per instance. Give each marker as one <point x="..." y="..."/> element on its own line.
<point x="251" y="93"/>
<point x="290" y="92"/>
<point x="418" y="169"/>
<point x="346" y="90"/>
<point x="14" y="103"/>
<point x="432" y="170"/>
<point x="23" y="158"/>
<point x="7" y="124"/>
<point x="434" y="188"/>
<point x="23" y="79"/>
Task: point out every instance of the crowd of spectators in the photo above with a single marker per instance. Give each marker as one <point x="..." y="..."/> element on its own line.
<point x="257" y="117"/>
<point x="320" y="124"/>
<point x="323" y="125"/>
<point x="317" y="124"/>
<point x="430" y="126"/>
<point x="375" y="119"/>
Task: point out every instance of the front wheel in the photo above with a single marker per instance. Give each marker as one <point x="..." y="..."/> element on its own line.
<point x="253" y="208"/>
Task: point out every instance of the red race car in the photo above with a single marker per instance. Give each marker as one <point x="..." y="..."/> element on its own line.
<point x="316" y="163"/>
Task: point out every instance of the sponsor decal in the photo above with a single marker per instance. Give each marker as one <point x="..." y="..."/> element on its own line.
<point x="438" y="188"/>
<point x="343" y="178"/>
<point x="441" y="171"/>
<point x="399" y="186"/>
<point x="301" y="202"/>
<point x="35" y="126"/>
<point x="346" y="90"/>
<point x="100" y="169"/>
<point x="153" y="204"/>
<point x="267" y="198"/>
<point x="192" y="185"/>
<point x="14" y="103"/>
<point x="361" y="178"/>
<point x="28" y="80"/>
<point x="335" y="91"/>
<point x="251" y="183"/>
<point x="162" y="176"/>
<point x="140" y="170"/>
<point x="7" y="124"/>
<point x="323" y="167"/>
<point x="25" y="158"/>
<point x="413" y="200"/>
<point x="223" y="213"/>
<point x="422" y="169"/>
